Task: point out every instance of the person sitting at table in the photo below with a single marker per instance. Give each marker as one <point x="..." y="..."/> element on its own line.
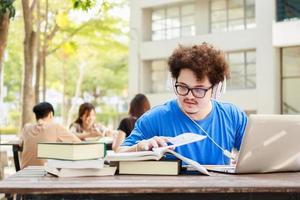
<point x="85" y="125"/>
<point x="199" y="75"/>
<point x="138" y="106"/>
<point x="44" y="130"/>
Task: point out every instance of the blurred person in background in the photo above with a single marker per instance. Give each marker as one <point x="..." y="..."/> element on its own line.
<point x="138" y="106"/>
<point x="85" y="126"/>
<point x="44" y="130"/>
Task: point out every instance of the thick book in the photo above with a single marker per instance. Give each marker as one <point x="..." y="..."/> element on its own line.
<point x="66" y="172"/>
<point x="71" y="151"/>
<point x="162" y="167"/>
<point x="76" y="164"/>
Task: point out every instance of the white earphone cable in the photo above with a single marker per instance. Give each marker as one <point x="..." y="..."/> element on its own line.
<point x="225" y="151"/>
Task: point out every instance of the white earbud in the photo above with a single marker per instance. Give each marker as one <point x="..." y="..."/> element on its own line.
<point x="219" y="89"/>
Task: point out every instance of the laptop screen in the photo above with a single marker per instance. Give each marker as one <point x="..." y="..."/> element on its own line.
<point x="270" y="144"/>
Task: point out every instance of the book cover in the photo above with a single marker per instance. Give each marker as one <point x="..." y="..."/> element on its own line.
<point x="65" y="172"/>
<point x="162" y="167"/>
<point x="71" y="151"/>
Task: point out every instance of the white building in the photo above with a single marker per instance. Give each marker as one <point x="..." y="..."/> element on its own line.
<point x="260" y="37"/>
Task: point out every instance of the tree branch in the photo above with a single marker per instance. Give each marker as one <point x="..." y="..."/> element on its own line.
<point x="32" y="6"/>
<point x="68" y="39"/>
<point x="52" y="33"/>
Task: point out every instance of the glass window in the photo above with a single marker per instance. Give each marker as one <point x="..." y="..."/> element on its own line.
<point x="236" y="13"/>
<point x="233" y="14"/>
<point x="218" y="5"/>
<point x="235" y="3"/>
<point x="158" y="25"/>
<point x="242" y="66"/>
<point x="158" y="35"/>
<point x="290" y="98"/>
<point x="189" y="30"/>
<point x="173" y="22"/>
<point x="291" y="62"/>
<point x="218" y="15"/>
<point x="287" y="10"/>
<point x="159" y="75"/>
<point x="290" y="80"/>
<point x="158" y="14"/>
<point x="250" y="23"/>
<point x="219" y="27"/>
<point x="236" y="25"/>
<point x="187" y="20"/>
<point x="173" y="12"/>
<point x="236" y="58"/>
<point x="173" y="33"/>
<point x="188" y="9"/>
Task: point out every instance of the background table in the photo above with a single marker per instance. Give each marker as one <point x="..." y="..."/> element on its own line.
<point x="16" y="148"/>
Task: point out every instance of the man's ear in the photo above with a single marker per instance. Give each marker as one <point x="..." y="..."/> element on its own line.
<point x="50" y="115"/>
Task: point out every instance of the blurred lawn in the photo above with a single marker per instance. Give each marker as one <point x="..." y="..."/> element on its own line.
<point x="8" y="130"/>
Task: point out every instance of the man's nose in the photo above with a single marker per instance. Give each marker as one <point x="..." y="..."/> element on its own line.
<point x="190" y="94"/>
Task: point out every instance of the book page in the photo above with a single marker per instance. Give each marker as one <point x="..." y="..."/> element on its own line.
<point x="182" y="139"/>
<point x="139" y="155"/>
<point x="193" y="163"/>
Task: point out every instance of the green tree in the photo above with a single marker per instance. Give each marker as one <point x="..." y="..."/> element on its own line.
<point x="7" y="11"/>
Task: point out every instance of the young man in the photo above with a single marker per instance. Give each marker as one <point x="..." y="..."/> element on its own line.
<point x="197" y="71"/>
<point x="42" y="131"/>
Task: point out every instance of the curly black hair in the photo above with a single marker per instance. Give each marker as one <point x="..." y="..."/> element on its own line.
<point x="203" y="60"/>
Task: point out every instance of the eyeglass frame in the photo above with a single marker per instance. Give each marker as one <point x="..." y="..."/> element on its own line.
<point x="191" y="89"/>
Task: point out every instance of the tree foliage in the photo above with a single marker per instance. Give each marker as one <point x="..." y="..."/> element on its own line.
<point x="6" y="6"/>
<point x="98" y="41"/>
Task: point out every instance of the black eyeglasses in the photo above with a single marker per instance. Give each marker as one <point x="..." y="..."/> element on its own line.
<point x="197" y="92"/>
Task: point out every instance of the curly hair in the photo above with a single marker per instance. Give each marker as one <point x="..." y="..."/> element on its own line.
<point x="203" y="60"/>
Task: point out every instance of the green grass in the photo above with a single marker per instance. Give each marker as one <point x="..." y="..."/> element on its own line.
<point x="8" y="130"/>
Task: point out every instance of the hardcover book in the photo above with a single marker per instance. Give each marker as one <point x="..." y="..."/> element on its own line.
<point x="71" y="151"/>
<point x="66" y="172"/>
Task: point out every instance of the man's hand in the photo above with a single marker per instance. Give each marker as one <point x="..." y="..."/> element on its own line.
<point x="155" y="142"/>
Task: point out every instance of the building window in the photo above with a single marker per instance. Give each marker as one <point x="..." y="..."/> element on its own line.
<point x="242" y="66"/>
<point x="230" y="15"/>
<point x="287" y="9"/>
<point x="173" y="22"/>
<point x="290" y="80"/>
<point x="159" y="76"/>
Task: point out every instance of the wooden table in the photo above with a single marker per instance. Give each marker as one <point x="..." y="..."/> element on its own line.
<point x="34" y="181"/>
<point x="16" y="148"/>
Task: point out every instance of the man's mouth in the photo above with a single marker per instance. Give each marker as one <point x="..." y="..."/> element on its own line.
<point x="190" y="102"/>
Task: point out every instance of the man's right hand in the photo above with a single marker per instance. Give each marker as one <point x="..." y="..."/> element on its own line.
<point x="147" y="145"/>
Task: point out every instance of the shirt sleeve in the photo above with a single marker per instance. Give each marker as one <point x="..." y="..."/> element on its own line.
<point x="142" y="130"/>
<point x="123" y="126"/>
<point x="63" y="135"/>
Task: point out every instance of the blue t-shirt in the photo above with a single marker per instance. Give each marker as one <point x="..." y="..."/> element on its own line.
<point x="225" y="124"/>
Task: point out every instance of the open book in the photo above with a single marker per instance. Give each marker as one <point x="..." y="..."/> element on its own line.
<point x="158" y="153"/>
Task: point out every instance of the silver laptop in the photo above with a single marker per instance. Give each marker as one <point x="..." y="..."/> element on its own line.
<point x="271" y="143"/>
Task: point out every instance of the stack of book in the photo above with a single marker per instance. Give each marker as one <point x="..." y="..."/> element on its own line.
<point x="153" y="162"/>
<point x="75" y="159"/>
